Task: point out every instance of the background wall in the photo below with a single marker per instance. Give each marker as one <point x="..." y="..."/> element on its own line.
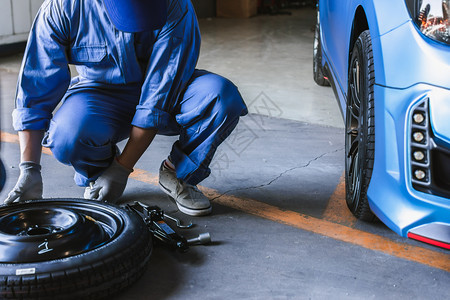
<point x="205" y="8"/>
<point x="16" y="17"/>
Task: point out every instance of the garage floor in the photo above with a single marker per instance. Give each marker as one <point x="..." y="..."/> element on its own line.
<point x="279" y="226"/>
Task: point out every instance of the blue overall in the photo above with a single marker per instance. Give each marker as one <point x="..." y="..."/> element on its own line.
<point x="147" y="80"/>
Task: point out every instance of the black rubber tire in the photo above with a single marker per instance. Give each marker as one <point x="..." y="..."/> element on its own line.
<point x="97" y="273"/>
<point x="318" y="73"/>
<point x="2" y="175"/>
<point x="360" y="128"/>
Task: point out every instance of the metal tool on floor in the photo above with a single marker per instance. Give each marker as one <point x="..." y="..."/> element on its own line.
<point x="155" y="217"/>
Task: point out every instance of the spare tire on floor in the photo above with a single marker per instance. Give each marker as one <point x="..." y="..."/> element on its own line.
<point x="70" y="249"/>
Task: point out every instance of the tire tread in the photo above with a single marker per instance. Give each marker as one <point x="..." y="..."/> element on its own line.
<point x="94" y="281"/>
<point x="362" y="210"/>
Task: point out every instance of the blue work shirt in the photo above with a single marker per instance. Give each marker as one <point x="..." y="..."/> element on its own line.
<point x="159" y="63"/>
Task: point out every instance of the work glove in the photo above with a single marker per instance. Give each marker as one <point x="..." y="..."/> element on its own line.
<point x="29" y="184"/>
<point x="110" y="185"/>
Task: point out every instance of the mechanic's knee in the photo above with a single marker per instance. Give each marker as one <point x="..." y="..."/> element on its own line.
<point x="70" y="143"/>
<point x="228" y="101"/>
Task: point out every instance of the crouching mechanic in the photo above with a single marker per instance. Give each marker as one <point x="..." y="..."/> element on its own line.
<point x="136" y="62"/>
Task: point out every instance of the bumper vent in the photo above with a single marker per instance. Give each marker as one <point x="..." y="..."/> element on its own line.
<point x="430" y="163"/>
<point x="420" y="146"/>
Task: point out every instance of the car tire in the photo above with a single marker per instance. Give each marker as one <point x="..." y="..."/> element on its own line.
<point x="360" y="128"/>
<point x="2" y="175"/>
<point x="70" y="249"/>
<point x="318" y="73"/>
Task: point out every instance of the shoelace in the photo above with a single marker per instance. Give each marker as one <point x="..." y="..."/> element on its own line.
<point x="188" y="187"/>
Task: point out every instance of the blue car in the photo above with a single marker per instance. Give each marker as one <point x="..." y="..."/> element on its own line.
<point x="388" y="63"/>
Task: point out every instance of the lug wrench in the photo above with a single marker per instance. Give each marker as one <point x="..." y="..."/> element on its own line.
<point x="154" y="216"/>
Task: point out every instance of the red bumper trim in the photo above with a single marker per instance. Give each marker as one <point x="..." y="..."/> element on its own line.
<point x="428" y="240"/>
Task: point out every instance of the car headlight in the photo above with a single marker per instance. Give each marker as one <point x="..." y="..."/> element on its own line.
<point x="432" y="18"/>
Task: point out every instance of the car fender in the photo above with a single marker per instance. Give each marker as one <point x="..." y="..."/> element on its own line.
<point x="336" y="45"/>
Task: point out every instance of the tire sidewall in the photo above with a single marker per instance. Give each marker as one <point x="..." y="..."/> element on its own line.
<point x="358" y="204"/>
<point x="133" y="230"/>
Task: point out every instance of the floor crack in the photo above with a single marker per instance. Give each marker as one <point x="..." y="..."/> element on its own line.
<point x="279" y="176"/>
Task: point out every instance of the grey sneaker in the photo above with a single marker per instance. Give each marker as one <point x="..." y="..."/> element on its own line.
<point x="187" y="197"/>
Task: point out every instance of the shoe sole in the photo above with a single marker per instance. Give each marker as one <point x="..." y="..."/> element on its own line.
<point x="184" y="209"/>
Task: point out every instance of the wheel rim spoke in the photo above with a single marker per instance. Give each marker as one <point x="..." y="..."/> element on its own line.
<point x="353" y="133"/>
<point x="353" y="151"/>
<point x="354" y="114"/>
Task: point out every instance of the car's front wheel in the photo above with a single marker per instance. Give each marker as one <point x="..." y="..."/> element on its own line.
<point x="360" y="128"/>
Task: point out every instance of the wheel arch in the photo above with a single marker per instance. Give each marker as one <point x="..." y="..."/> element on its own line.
<point x="359" y="25"/>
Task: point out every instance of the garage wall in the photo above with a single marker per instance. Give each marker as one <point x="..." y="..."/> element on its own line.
<point x="16" y="17"/>
<point x="205" y="8"/>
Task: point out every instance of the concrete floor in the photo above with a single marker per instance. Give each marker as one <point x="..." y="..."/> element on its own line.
<point x="279" y="224"/>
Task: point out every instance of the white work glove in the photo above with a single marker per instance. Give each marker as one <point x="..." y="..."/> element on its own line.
<point x="110" y="185"/>
<point x="29" y="184"/>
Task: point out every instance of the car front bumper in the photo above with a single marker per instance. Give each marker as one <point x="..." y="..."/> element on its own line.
<point x="399" y="203"/>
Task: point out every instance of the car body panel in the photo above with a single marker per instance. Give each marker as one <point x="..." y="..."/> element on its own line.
<point x="440" y="114"/>
<point x="338" y="16"/>
<point x="423" y="60"/>
<point x="409" y="68"/>
<point x="391" y="195"/>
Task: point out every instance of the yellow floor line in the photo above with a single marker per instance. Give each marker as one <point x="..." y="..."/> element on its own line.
<point x="337" y="210"/>
<point x="323" y="227"/>
<point x="14" y="138"/>
<point x="9" y="137"/>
